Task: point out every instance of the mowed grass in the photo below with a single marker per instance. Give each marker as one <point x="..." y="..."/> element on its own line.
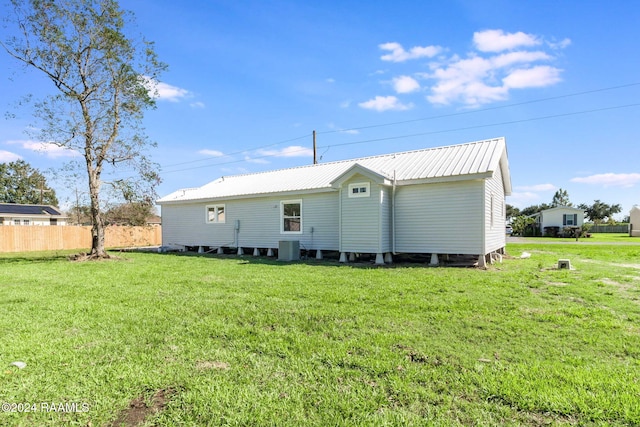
<point x="246" y="341"/>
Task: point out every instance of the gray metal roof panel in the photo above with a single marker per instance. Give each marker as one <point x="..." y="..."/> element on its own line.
<point x="441" y="162"/>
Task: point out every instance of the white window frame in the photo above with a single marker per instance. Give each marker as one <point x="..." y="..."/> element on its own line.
<point x="359" y="186"/>
<point x="216" y="219"/>
<point x="283" y="217"/>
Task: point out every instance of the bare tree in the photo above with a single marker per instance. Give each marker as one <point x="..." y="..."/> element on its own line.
<point x="102" y="79"/>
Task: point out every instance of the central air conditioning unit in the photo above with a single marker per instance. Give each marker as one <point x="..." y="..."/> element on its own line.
<point x="288" y="250"/>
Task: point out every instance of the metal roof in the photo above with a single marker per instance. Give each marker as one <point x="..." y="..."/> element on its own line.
<point x="430" y="164"/>
<point x="17" y="209"/>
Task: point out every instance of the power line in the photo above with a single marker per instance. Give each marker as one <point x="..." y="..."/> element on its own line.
<point x="462" y="113"/>
<point x="398" y="123"/>
<point x="574" y="113"/>
<point x="240" y="152"/>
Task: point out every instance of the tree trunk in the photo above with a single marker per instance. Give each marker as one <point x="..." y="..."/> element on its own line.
<point x="97" y="224"/>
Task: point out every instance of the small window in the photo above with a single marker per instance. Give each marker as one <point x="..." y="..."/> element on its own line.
<point x="215" y="214"/>
<point x="359" y="189"/>
<point x="26" y="222"/>
<point x="16" y="222"/>
<point x="570" y="219"/>
<point x="291" y="216"/>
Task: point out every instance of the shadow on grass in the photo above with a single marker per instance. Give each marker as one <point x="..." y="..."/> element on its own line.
<point x="364" y="262"/>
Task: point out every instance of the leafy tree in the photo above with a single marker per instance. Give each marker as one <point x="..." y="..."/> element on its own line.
<point x="102" y="85"/>
<point x="130" y="213"/>
<point x="512" y="211"/>
<point x="21" y="183"/>
<point x="520" y="223"/>
<point x="534" y="209"/>
<point x="598" y="211"/>
<point x="561" y="198"/>
<point x="80" y="215"/>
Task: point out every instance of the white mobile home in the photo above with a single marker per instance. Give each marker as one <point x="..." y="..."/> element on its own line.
<point x="446" y="200"/>
<point x="558" y="218"/>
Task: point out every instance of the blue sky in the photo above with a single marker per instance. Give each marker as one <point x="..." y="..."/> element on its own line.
<point x="248" y="82"/>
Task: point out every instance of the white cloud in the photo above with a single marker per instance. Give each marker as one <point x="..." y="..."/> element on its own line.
<point x="398" y="54"/>
<point x="625" y="180"/>
<point x="164" y="91"/>
<point x="481" y="78"/>
<point x="291" y="151"/>
<point x="497" y="40"/>
<point x="537" y="187"/>
<point x="330" y="80"/>
<point x="8" y="156"/>
<point x="212" y="153"/>
<point x="197" y="104"/>
<point x="384" y="103"/>
<point x="539" y="76"/>
<point x="258" y="161"/>
<point x="49" y="149"/>
<point x="346" y="131"/>
<point x="405" y="84"/>
<point x="560" y="45"/>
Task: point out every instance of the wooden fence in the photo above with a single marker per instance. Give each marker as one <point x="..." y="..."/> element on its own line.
<point x="23" y="238"/>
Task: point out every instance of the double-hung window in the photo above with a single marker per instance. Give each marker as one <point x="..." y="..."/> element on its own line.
<point x="291" y="216"/>
<point x="215" y="214"/>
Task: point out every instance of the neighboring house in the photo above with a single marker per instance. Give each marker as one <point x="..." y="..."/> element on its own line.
<point x="634" y="219"/>
<point x="15" y="214"/>
<point x="554" y="220"/>
<point x="446" y="200"/>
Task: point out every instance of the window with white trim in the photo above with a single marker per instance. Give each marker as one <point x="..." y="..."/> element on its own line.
<point x="291" y="216"/>
<point x="215" y="214"/>
<point x="359" y="189"/>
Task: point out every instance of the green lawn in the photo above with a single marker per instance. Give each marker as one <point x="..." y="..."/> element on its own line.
<point x="246" y="341"/>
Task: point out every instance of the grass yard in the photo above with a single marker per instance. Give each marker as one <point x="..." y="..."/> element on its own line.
<point x="166" y="339"/>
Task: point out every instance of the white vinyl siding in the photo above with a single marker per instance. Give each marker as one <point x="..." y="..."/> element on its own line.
<point x="495" y="221"/>
<point x="259" y="225"/>
<point x="443" y="218"/>
<point x="360" y="219"/>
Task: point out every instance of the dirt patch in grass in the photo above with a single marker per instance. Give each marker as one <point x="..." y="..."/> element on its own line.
<point x="139" y="410"/>
<point x="205" y="365"/>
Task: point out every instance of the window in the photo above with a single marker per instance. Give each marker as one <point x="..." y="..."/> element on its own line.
<point x="359" y="189"/>
<point x="291" y="216"/>
<point x="16" y="222"/>
<point x="215" y="214"/>
<point x="25" y="222"/>
<point x="570" y="219"/>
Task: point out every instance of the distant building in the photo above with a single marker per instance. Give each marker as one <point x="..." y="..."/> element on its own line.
<point x="555" y="220"/>
<point x="634" y="219"/>
<point x="16" y="214"/>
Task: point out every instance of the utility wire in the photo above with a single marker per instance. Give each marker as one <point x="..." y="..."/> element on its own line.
<point x="574" y="113"/>
<point x="462" y="113"/>
<point x="399" y="123"/>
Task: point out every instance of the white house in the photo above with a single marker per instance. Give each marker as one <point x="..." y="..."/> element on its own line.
<point x="560" y="217"/>
<point x="16" y="214"/>
<point x="446" y="200"/>
<point x="634" y="219"/>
